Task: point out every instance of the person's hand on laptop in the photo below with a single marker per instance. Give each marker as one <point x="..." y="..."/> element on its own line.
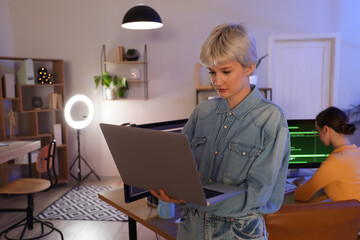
<point x="164" y="197"/>
<point x="299" y="181"/>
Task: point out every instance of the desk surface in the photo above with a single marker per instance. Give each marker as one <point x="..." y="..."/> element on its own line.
<point x="17" y="149"/>
<point x="141" y="212"/>
<point x="319" y="196"/>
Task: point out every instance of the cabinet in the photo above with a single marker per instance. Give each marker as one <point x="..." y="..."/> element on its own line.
<point x="138" y="88"/>
<point x="204" y="86"/>
<point x="36" y="123"/>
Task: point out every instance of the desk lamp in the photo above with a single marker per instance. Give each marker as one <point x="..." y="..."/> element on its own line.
<point x="78" y="125"/>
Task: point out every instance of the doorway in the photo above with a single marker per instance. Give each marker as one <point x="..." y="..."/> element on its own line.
<point x="303" y="73"/>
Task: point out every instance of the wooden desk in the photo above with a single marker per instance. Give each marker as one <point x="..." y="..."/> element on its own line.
<point x="140" y="211"/>
<point x="17" y="149"/>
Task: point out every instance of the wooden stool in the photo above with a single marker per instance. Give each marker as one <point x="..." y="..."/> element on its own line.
<point x="29" y="186"/>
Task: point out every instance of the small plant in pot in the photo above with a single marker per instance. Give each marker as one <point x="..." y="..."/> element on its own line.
<point x="119" y="85"/>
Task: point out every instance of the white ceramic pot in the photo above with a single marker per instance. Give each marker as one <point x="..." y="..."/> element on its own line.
<point x="110" y="94"/>
<point x="253" y="79"/>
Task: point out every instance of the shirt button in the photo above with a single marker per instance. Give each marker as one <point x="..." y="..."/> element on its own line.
<point x="230" y="113"/>
<point x="244" y="153"/>
<point x="225" y="126"/>
<point x="216" y="152"/>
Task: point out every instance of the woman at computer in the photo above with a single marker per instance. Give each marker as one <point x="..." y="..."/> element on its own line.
<point x="239" y="139"/>
<point x="339" y="175"/>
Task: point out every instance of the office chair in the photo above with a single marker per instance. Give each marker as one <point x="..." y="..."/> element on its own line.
<point x="313" y="221"/>
<point x="29" y="186"/>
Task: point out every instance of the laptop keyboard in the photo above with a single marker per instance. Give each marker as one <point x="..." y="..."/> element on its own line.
<point x="211" y="193"/>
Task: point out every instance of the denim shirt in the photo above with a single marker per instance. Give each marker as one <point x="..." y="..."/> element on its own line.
<point x="249" y="145"/>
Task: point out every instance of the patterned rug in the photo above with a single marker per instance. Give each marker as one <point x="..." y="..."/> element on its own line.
<point x="82" y="204"/>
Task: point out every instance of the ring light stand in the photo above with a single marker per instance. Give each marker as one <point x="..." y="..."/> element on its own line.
<point x="78" y="125"/>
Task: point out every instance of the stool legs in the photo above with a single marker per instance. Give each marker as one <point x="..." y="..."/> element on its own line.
<point x="28" y="223"/>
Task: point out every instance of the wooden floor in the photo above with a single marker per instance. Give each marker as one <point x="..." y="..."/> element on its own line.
<point x="79" y="230"/>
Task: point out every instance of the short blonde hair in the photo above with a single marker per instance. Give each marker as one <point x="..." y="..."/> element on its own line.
<point x="229" y="42"/>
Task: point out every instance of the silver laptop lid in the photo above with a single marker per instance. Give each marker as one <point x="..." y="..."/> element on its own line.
<point x="151" y="159"/>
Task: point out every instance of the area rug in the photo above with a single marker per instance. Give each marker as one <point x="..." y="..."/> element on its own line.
<point x="82" y="204"/>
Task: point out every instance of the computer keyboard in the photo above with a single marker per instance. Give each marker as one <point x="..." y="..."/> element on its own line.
<point x="211" y="193"/>
<point x="289" y="188"/>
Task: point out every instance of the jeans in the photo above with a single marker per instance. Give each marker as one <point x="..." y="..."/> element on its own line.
<point x="195" y="224"/>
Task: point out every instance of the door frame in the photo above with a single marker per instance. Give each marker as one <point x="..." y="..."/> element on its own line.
<point x="334" y="39"/>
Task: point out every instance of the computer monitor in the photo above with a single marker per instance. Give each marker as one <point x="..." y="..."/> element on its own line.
<point x="307" y="151"/>
<point x="132" y="193"/>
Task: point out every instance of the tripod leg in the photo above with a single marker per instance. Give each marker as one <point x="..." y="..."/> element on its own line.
<point x="79" y="158"/>
<point x="92" y="171"/>
<point x="72" y="165"/>
<point x="78" y="177"/>
<point x="79" y="168"/>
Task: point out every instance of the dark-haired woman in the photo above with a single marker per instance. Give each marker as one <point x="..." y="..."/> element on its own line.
<point x="339" y="175"/>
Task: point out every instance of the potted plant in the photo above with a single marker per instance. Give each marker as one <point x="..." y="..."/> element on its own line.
<point x="253" y="78"/>
<point x="111" y="84"/>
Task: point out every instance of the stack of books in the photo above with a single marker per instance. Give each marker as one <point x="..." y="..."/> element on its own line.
<point x="55" y="101"/>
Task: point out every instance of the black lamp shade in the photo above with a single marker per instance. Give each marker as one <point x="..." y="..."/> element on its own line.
<point x="141" y="17"/>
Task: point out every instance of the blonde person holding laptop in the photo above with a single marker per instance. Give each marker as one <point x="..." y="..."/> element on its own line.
<point x="239" y="139"/>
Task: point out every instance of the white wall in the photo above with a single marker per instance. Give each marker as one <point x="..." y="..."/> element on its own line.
<point x="6" y="48"/>
<point x="75" y="30"/>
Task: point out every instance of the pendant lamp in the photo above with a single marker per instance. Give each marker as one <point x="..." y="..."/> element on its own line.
<point x="141" y="17"/>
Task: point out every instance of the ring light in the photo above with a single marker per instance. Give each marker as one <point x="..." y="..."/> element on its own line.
<point x="78" y="125"/>
<point x="68" y="106"/>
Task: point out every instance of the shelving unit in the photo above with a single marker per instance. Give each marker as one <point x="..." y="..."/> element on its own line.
<point x="266" y="92"/>
<point x="144" y="64"/>
<point x="36" y="124"/>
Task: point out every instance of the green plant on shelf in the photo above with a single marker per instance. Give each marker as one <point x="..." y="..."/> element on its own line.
<point x="118" y="84"/>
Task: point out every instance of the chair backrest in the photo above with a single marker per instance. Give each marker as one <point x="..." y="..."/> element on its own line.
<point x="328" y="220"/>
<point x="45" y="161"/>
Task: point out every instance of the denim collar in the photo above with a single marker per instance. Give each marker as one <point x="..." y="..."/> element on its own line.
<point x="243" y="107"/>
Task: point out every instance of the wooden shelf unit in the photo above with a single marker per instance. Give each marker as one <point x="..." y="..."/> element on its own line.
<point x="36" y="124"/>
<point x="144" y="79"/>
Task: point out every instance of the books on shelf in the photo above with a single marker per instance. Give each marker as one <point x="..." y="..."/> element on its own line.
<point x="9" y="85"/>
<point x="121" y="53"/>
<point x="55" y="101"/>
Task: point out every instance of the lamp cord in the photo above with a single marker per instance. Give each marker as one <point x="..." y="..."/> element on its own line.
<point x="102" y="59"/>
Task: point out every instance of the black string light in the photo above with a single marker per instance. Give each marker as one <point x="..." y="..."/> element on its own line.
<point x="45" y="77"/>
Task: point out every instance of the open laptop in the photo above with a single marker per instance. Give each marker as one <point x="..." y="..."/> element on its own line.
<point x="152" y="159"/>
